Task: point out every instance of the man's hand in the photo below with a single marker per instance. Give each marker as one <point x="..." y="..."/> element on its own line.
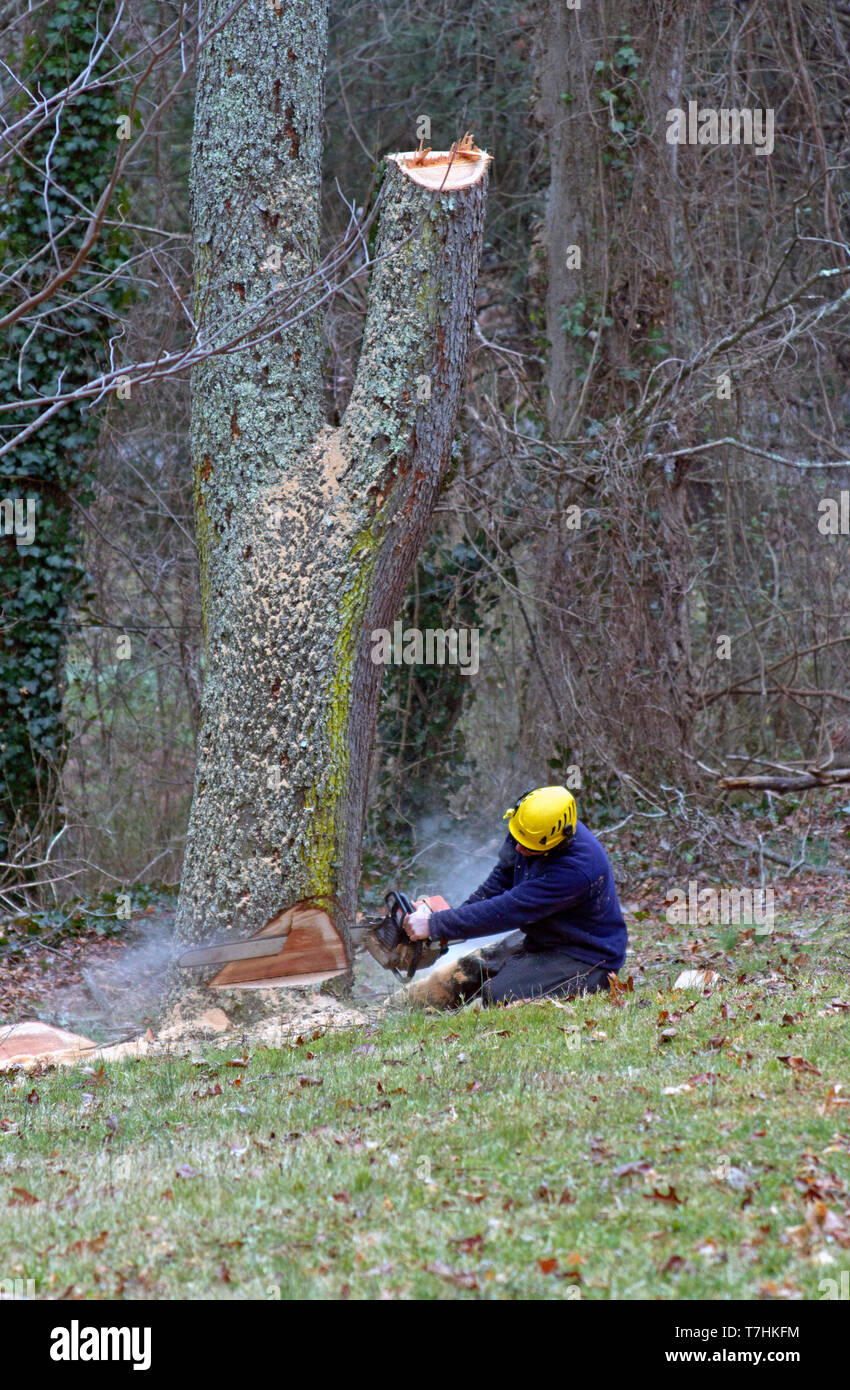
<point x="416" y="923"/>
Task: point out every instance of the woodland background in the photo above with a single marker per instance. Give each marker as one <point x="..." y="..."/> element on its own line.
<point x="685" y="388"/>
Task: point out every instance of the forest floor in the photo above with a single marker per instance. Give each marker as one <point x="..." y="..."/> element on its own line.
<point x="83" y="968"/>
<point x="653" y="1143"/>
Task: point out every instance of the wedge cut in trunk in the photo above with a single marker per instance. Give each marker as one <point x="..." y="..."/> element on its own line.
<point x="307" y="533"/>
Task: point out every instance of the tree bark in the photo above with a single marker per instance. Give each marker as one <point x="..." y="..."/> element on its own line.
<point x="766" y="783"/>
<point x="568" y="41"/>
<point x="307" y="533"/>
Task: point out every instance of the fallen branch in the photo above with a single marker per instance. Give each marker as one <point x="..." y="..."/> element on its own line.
<point x="801" y="782"/>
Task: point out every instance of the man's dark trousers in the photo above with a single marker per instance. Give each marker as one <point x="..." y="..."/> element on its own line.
<point x="512" y="968"/>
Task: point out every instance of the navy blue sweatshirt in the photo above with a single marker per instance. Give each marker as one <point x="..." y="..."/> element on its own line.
<point x="564" y="898"/>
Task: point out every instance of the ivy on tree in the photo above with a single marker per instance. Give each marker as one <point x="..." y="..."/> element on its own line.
<point x="40" y="583"/>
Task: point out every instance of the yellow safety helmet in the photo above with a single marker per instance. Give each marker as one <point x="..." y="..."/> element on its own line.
<point x="543" y="817"/>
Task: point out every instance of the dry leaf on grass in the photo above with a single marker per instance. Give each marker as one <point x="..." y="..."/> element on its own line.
<point x="835" y="1098"/>
<point x="770" y="1289"/>
<point x="468" y="1243"/>
<point x="95" y="1243"/>
<point x="799" y="1064"/>
<point x="618" y="989"/>
<point x="668" y="1196"/>
<point x="626" y="1169"/>
<point x="22" y="1198"/>
<point x="461" y="1278"/>
<point x="829" y="1223"/>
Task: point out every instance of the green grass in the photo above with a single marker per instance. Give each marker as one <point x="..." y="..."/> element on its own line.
<point x="451" y="1157"/>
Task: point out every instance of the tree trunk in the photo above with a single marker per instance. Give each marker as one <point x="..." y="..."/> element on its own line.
<point x="307" y="533"/>
<point x="568" y="39"/>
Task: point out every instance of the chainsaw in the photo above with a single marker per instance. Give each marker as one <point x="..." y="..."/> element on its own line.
<point x="386" y="940"/>
<point x="301" y="946"/>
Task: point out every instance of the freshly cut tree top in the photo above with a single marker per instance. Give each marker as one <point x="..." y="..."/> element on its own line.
<point x="464" y="164"/>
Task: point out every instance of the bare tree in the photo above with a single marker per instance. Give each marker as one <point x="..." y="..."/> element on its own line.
<point x="696" y="304"/>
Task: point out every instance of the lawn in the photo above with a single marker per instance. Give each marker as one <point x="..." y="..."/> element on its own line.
<point x="656" y="1143"/>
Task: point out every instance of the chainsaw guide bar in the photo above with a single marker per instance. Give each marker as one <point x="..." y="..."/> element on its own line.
<point x="235" y="950"/>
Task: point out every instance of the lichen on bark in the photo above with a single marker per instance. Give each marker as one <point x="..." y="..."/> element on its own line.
<point x="308" y="534"/>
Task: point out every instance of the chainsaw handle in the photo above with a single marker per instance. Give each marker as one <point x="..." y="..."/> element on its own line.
<point x="398" y="906"/>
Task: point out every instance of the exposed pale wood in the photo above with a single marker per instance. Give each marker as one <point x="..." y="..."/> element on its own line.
<point x="460" y="167"/>
<point x="284" y="981"/>
<point x="314" y="951"/>
<point x="31" y="1040"/>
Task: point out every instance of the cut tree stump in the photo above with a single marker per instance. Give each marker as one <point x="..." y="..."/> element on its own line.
<point x="460" y="167"/>
<point x="34" y="1041"/>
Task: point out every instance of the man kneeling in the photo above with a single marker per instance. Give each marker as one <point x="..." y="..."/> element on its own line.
<point x="553" y="890"/>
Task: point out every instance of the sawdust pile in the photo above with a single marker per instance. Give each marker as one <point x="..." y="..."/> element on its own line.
<point x="33" y="1043"/>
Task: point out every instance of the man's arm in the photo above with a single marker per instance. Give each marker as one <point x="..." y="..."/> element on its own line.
<point x="517" y="907"/>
